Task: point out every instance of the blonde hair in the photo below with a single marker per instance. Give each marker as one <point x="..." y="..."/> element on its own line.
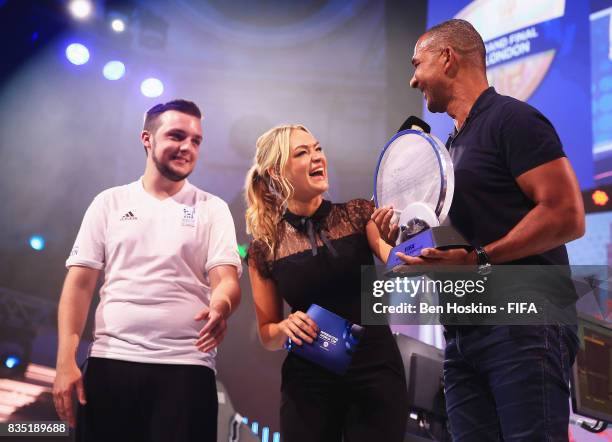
<point x="267" y="190"/>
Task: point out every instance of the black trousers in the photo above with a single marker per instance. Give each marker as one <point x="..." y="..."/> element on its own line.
<point x="368" y="403"/>
<point x="137" y="402"/>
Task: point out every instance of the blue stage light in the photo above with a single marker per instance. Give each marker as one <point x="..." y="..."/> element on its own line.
<point x="276" y="437"/>
<point x="254" y="427"/>
<point x="37" y="242"/>
<point x="77" y="54"/>
<point x="80" y="9"/>
<point x="265" y="434"/>
<point x="152" y="87"/>
<point x="118" y="25"/>
<point x="113" y="70"/>
<point x="11" y="362"/>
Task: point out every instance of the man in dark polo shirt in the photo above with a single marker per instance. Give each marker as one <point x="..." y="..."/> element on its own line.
<point x="516" y="201"/>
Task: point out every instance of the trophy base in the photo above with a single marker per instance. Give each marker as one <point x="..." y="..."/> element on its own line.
<point x="440" y="237"/>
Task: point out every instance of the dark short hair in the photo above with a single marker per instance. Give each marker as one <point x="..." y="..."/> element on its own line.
<point x="462" y="37"/>
<point x="151" y="120"/>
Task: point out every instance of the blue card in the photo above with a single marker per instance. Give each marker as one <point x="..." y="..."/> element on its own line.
<point x="335" y="344"/>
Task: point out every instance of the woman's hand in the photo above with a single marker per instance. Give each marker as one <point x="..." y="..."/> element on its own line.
<point x="382" y="218"/>
<point x="299" y="327"/>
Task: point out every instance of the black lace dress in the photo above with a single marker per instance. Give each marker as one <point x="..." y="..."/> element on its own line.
<point x="318" y="260"/>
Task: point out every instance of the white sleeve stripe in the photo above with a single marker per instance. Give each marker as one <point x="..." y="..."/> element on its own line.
<point x="220" y="262"/>
<point x="85" y="263"/>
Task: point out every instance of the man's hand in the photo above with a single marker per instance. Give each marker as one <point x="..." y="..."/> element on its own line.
<point x="432" y="256"/>
<point x="382" y="218"/>
<point x="67" y="380"/>
<point x="72" y="315"/>
<point x="213" y="332"/>
<point x="224" y="300"/>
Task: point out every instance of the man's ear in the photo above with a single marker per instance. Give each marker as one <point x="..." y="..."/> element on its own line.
<point x="145" y="137"/>
<point x="449" y="57"/>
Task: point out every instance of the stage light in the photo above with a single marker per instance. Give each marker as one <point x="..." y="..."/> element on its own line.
<point x="80" y="9"/>
<point x="77" y="54"/>
<point x="37" y="242"/>
<point x="15" y="352"/>
<point x="265" y="434"/>
<point x="118" y="25"/>
<point x="600" y="198"/>
<point x="255" y="427"/>
<point x="152" y="87"/>
<point x="12" y="361"/>
<point x="276" y="437"/>
<point x="113" y="70"/>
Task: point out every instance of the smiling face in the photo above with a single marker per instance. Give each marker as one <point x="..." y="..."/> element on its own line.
<point x="306" y="167"/>
<point x="429" y="75"/>
<point x="174" y="145"/>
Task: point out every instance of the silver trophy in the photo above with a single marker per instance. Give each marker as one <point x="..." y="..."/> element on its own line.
<point x="415" y="175"/>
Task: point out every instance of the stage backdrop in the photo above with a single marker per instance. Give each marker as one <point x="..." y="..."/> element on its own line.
<point x="538" y="52"/>
<point x="341" y="68"/>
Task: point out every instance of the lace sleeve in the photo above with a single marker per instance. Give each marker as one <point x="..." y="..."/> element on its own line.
<point x="259" y="253"/>
<point x="359" y="212"/>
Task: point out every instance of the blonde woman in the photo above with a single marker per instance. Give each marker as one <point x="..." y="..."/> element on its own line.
<point x="308" y="250"/>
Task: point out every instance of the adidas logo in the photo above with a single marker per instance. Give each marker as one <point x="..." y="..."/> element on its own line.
<point x="129" y="217"/>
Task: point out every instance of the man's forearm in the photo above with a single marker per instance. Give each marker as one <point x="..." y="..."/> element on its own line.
<point x="72" y="316"/>
<point x="226" y="297"/>
<point x="542" y="229"/>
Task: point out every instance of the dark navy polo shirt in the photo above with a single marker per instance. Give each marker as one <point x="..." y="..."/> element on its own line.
<point x="501" y="139"/>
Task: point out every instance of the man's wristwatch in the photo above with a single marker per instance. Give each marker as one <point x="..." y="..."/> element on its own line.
<point x="482" y="260"/>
